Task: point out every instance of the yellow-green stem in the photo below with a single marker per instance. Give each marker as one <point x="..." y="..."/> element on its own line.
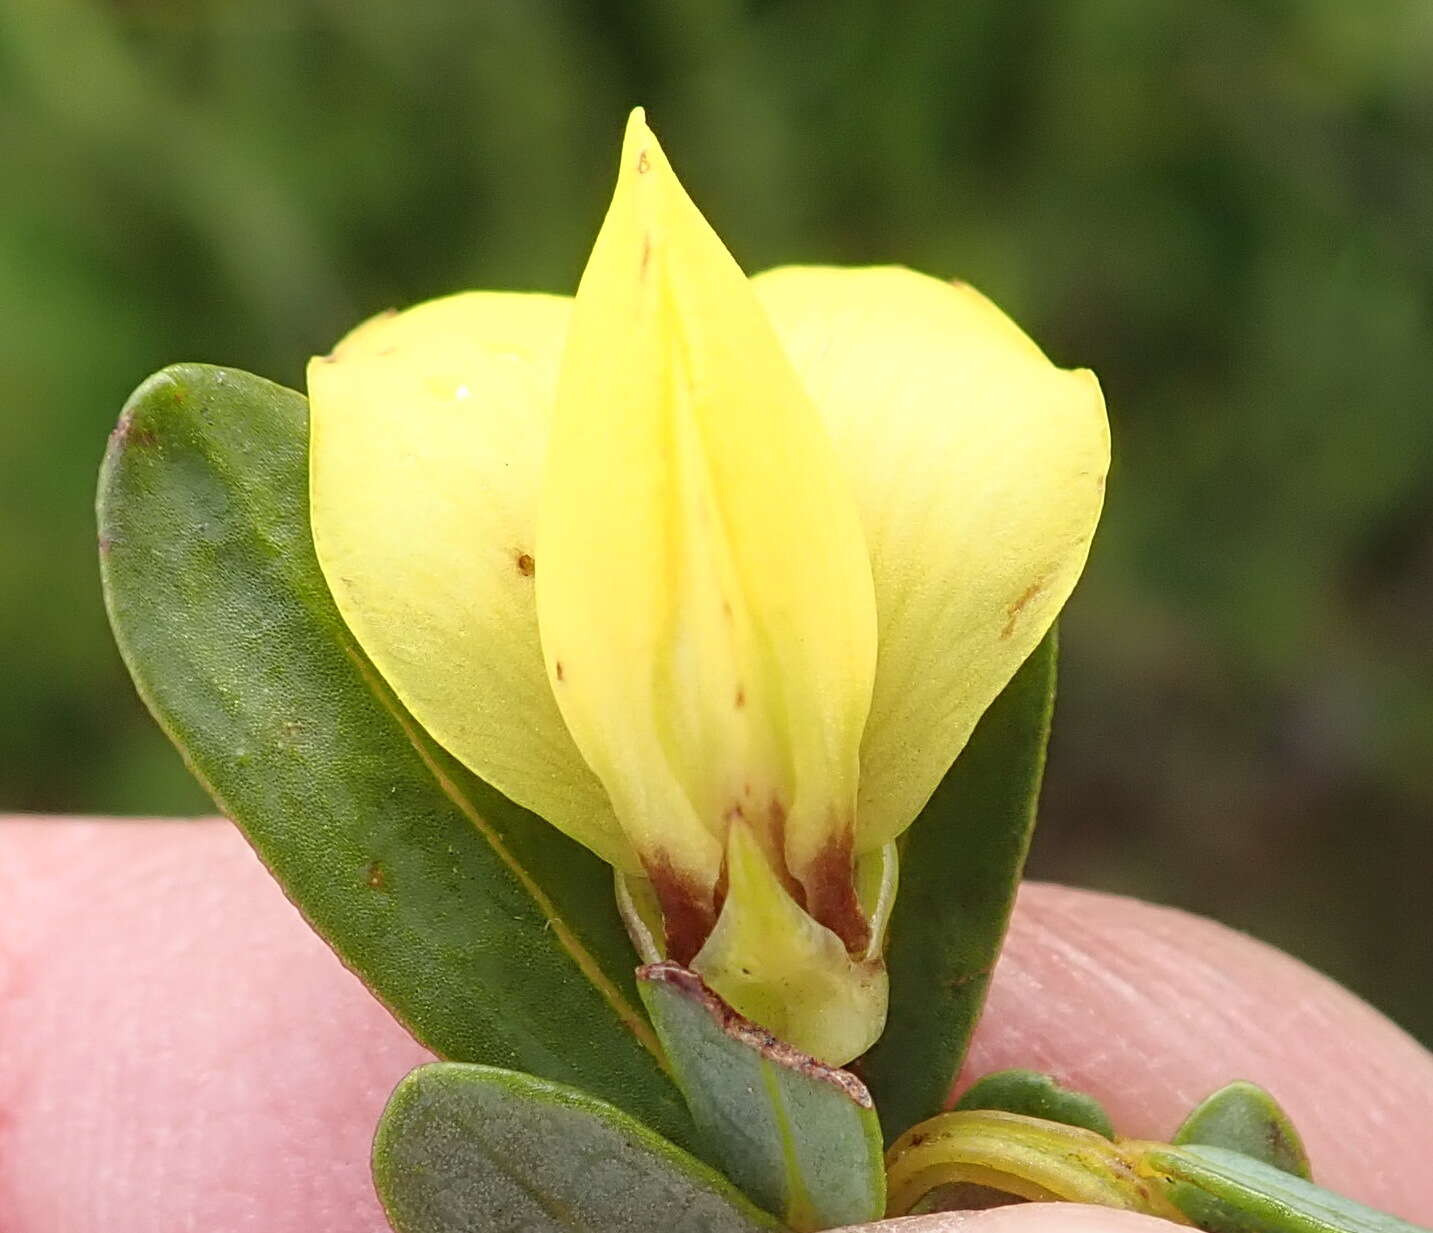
<point x="1026" y="1157"/>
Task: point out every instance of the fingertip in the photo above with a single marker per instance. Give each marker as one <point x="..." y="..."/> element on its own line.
<point x="1150" y="1009"/>
<point x="180" y="1050"/>
<point x="1027" y="1218"/>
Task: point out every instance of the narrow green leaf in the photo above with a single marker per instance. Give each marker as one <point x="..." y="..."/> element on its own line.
<point x="1037" y="1095"/>
<point x="798" y="1137"/>
<point x="1243" y="1117"/>
<point x="1255" y="1197"/>
<point x="491" y="936"/>
<point x="960" y="866"/>
<point x="462" y="1148"/>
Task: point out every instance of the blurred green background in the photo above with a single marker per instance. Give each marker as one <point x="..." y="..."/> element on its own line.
<point x="1225" y="209"/>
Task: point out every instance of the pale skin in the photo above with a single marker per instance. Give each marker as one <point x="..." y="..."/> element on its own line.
<point x="179" y="1052"/>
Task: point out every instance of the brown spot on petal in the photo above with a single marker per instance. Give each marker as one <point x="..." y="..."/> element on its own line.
<point x="830" y="882"/>
<point x="557" y="669"/>
<point x="776" y="851"/>
<point x="688" y="912"/>
<point x="525" y="564"/>
<point x="1012" y="613"/>
<point x="740" y="697"/>
<point x="646" y="256"/>
<point x="644" y="165"/>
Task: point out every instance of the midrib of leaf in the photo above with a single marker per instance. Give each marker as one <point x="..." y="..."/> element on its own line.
<point x="800" y="1212"/>
<point x="558" y="1213"/>
<point x="628" y="1014"/>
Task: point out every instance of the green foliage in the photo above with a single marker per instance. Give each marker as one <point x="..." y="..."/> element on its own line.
<point x="1036" y="1095"/>
<point x="1243" y="1117"/>
<point x="472" y="1147"/>
<point x="1223" y="208"/>
<point x="488" y="933"/>
<point x="799" y="1138"/>
<point x="1250" y="1196"/>
<point x="960" y="868"/>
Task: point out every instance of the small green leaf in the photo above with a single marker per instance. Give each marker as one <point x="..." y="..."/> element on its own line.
<point x="960" y="867"/>
<point x="462" y="1148"/>
<point x="489" y="934"/>
<point x="1245" y="1118"/>
<point x="1037" y="1095"/>
<point x="797" y="1136"/>
<point x="1255" y="1197"/>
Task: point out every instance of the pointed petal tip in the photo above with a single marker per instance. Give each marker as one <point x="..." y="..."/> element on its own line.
<point x="640" y="149"/>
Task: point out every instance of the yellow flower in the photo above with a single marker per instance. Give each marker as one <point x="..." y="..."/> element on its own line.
<point x="715" y="574"/>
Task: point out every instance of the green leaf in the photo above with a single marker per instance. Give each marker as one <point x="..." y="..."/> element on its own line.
<point x="798" y="1137"/>
<point x="960" y="867"/>
<point x="1242" y="1117"/>
<point x="491" y="936"/>
<point x="1037" y="1095"/>
<point x="1245" y="1118"/>
<point x="1255" y="1197"/>
<point x="461" y="1148"/>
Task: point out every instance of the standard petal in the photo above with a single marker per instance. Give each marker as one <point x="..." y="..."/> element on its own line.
<point x="705" y="602"/>
<point x="428" y="433"/>
<point x="979" y="470"/>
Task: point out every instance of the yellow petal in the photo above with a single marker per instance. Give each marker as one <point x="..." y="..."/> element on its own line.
<point x="427" y="438"/>
<point x="979" y="472"/>
<point x="705" y="599"/>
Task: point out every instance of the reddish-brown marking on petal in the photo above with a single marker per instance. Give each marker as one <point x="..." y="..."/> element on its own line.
<point x="688" y="913"/>
<point x="525" y="564"/>
<point x="1012" y="613"/>
<point x="557" y="669"/>
<point x="740" y="697"/>
<point x="719" y="890"/>
<point x="775" y="848"/>
<point x="830" y="882"/>
<point x="643" y="163"/>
